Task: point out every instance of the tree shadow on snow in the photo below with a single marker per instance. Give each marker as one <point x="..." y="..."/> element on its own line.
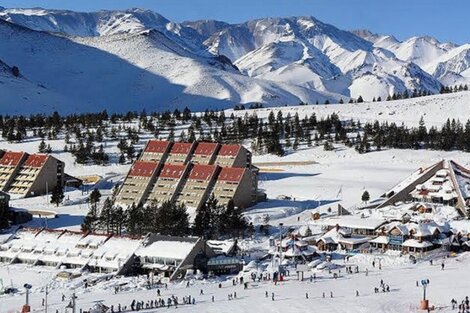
<point x="283" y="175"/>
<point x="61" y="221"/>
<point x="300" y="205"/>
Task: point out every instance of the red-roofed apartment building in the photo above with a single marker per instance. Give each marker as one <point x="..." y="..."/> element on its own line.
<point x="137" y="183"/>
<point x="169" y="182"/>
<point x="236" y="183"/>
<point x="205" y="153"/>
<point x="198" y="185"/>
<point x="37" y="175"/>
<point x="30" y="174"/>
<point x="156" y="151"/>
<point x="180" y="152"/>
<point x="10" y="163"/>
<point x="233" y="156"/>
<point x="188" y="172"/>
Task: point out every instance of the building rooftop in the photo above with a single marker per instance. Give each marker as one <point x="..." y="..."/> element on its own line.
<point x="172" y="171"/>
<point x="181" y="147"/>
<point x="229" y="150"/>
<point x="36" y="160"/>
<point x="143" y="169"/>
<point x="167" y="249"/>
<point x="202" y="172"/>
<point x="157" y="146"/>
<point x="11" y="158"/>
<point x="205" y="148"/>
<point x="231" y="174"/>
<point x="354" y="221"/>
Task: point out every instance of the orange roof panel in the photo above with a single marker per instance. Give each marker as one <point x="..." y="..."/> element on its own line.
<point x="11" y="158"/>
<point x="181" y="148"/>
<point x="202" y="172"/>
<point x="205" y="148"/>
<point x="157" y="146"/>
<point x="229" y="150"/>
<point x="231" y="174"/>
<point x="36" y="160"/>
<point x="172" y="171"/>
<point x="143" y="169"/>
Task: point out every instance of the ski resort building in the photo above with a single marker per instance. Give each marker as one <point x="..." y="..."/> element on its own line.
<point x="37" y="175"/>
<point x="181" y="152"/>
<point x="137" y="183"/>
<point x="233" y="156"/>
<point x="188" y="173"/>
<point x="121" y="255"/>
<point x="198" y="186"/>
<point x="155" y="151"/>
<point x="30" y="174"/>
<point x="205" y="153"/>
<point x="445" y="182"/>
<point x="9" y="165"/>
<point x="172" y="256"/>
<point x="168" y="183"/>
<point x="237" y="184"/>
<point x="354" y="224"/>
<point x="412" y="237"/>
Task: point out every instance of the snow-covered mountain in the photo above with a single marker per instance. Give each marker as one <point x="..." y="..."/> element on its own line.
<point x="137" y="59"/>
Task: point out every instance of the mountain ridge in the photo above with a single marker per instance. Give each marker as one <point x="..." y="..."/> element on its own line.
<point x="269" y="60"/>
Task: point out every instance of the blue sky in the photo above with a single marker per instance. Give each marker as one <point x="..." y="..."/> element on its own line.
<point x="445" y="20"/>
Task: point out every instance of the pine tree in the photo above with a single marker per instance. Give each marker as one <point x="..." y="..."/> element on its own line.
<point x="94" y="197"/>
<point x="122" y="159"/>
<point x="42" y="146"/>
<point x="365" y="196"/>
<point x="57" y="195"/>
<point x="91" y="220"/>
<point x="134" y="219"/>
<point x="308" y="232"/>
<point x="232" y="217"/>
<point x="105" y="218"/>
<point x="172" y="219"/>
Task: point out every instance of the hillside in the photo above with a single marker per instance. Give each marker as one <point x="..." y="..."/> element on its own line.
<point x="131" y="72"/>
<point x="434" y="110"/>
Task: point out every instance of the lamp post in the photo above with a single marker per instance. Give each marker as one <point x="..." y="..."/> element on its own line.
<point x="280" y="247"/>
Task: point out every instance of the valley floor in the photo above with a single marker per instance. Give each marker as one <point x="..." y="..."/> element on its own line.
<point x="338" y="176"/>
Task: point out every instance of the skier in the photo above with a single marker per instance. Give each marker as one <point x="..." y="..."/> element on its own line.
<point x="306" y="295"/>
<point x="272" y="296"/>
<point x="331" y="294"/>
<point x="357" y="293"/>
<point x="212" y="298"/>
<point x="442" y="266"/>
<point x="202" y="292"/>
